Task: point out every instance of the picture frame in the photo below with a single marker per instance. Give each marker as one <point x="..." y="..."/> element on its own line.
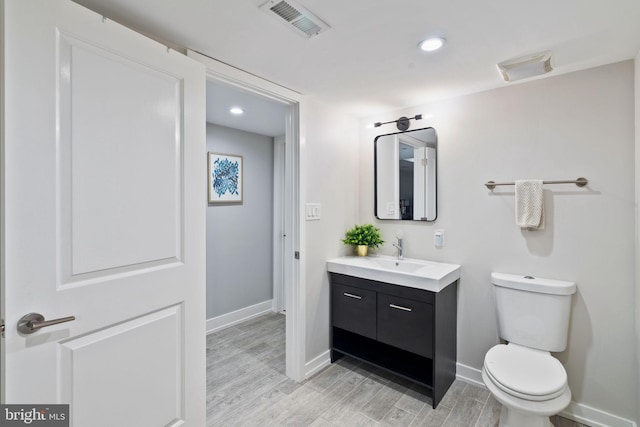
<point x="225" y="178"/>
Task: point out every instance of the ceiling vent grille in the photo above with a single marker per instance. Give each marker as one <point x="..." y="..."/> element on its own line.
<point x="295" y="17"/>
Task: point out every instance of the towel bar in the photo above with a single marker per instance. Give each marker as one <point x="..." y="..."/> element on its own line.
<point x="580" y="182"/>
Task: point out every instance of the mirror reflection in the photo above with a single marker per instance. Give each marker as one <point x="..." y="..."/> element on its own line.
<point x="405" y="175"/>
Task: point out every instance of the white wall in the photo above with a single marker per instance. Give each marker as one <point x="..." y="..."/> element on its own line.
<point x="562" y="127"/>
<point x="329" y="168"/>
<point x="238" y="232"/>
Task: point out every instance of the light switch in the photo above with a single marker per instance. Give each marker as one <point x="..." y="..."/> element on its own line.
<point x="438" y="238"/>
<point x="313" y="211"/>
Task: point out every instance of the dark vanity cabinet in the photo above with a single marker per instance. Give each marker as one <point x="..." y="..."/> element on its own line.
<point x="408" y="331"/>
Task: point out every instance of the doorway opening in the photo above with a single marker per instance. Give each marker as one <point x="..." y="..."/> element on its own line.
<point x="287" y="294"/>
<point x="245" y="238"/>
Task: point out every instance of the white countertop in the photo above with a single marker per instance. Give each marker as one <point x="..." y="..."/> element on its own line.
<point x="415" y="273"/>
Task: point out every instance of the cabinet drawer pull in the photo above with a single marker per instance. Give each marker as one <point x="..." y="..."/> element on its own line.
<point x="399" y="307"/>
<point x="346" y="294"/>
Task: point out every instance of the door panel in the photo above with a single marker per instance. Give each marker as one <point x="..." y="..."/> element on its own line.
<point x="144" y="353"/>
<point x="103" y="202"/>
<point x="103" y="149"/>
<point x="406" y="324"/>
<point x="354" y="309"/>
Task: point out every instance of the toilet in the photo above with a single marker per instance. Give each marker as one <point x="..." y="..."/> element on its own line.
<point x="533" y="318"/>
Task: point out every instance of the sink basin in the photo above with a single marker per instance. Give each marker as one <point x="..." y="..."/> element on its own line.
<point x="405" y="265"/>
<point x="415" y="273"/>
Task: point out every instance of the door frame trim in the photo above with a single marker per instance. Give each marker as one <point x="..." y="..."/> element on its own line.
<point x="293" y="268"/>
<point x="279" y="235"/>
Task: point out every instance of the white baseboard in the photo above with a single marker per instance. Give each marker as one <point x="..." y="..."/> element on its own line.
<point x="469" y="375"/>
<point x="575" y="411"/>
<point x="594" y="417"/>
<point x="220" y="322"/>
<point x="317" y="364"/>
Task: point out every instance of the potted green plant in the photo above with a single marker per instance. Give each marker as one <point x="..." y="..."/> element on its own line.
<point x="363" y="237"/>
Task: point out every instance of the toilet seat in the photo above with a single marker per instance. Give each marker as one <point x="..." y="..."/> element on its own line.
<point x="525" y="373"/>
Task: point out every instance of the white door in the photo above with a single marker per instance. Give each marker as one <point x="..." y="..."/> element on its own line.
<point x="103" y="219"/>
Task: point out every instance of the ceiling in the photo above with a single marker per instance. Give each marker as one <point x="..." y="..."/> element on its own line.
<point x="261" y="115"/>
<point x="368" y="61"/>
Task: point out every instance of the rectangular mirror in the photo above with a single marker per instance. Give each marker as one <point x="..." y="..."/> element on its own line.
<point x="405" y="175"/>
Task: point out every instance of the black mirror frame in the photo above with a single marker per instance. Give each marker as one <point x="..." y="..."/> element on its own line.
<point x="375" y="175"/>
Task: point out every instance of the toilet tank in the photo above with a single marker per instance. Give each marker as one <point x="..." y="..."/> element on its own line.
<point x="533" y="312"/>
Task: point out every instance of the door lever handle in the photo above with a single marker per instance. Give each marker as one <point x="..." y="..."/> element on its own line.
<point x="32" y="322"/>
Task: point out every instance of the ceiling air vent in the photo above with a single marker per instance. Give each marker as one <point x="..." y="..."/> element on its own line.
<point x="296" y="17"/>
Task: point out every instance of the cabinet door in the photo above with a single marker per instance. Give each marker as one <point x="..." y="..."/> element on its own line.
<point x="354" y="309"/>
<point x="406" y="324"/>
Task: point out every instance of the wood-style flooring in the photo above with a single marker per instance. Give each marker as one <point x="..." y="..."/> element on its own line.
<point x="247" y="386"/>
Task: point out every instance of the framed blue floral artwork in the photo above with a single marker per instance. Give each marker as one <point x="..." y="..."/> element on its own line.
<point x="225" y="178"/>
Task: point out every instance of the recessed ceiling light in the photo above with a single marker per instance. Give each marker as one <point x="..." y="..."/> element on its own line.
<point x="432" y="43"/>
<point x="236" y="110"/>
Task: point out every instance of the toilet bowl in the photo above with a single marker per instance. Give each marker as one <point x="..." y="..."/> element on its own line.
<point x="530" y="384"/>
<point x="533" y="317"/>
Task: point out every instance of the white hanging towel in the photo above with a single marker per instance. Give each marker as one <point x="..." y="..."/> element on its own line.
<point x="529" y="204"/>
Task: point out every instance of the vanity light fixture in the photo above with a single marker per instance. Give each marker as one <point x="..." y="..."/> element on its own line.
<point x="432" y="43"/>
<point x="402" y="123"/>
<point x="237" y="111"/>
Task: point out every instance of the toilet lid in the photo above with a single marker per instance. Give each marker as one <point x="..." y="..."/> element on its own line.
<point x="525" y="372"/>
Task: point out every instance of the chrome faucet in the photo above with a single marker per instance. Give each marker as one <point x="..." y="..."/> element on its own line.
<point x="399" y="247"/>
